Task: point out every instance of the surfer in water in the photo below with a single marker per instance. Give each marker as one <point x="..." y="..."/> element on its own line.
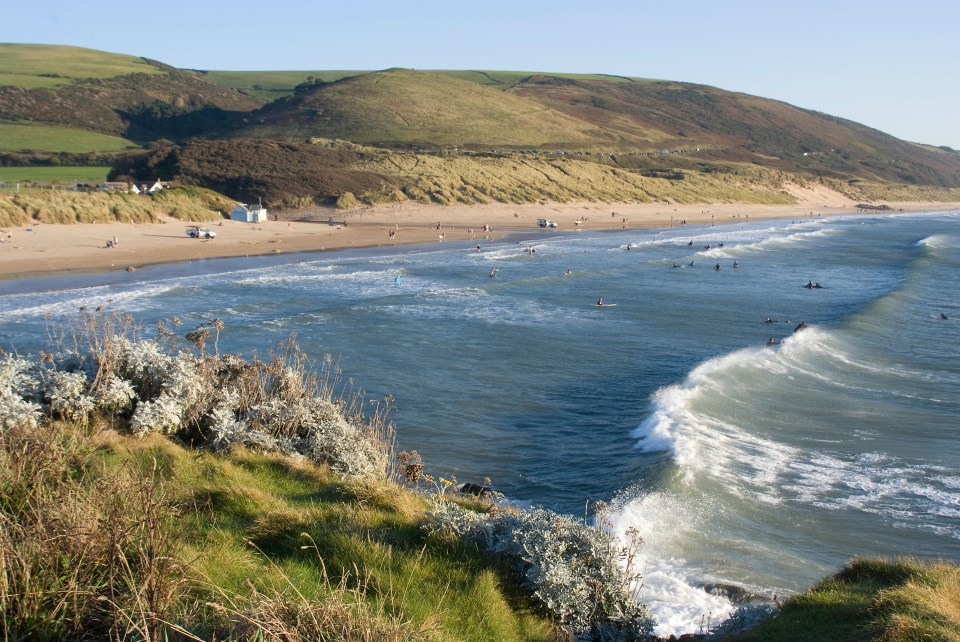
<point x="600" y="301"/>
<point x="801" y="326"/>
<point x="717" y="267"/>
<point x="493" y="272"/>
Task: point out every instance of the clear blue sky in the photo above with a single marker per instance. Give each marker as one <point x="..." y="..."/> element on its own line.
<point x="890" y="65"/>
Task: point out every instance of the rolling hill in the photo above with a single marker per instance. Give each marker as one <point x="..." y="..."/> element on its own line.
<point x="244" y="123"/>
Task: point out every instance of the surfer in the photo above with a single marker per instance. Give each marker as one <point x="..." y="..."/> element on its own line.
<point x="691" y="242"/>
<point x="568" y="273"/>
<point x="943" y="316"/>
<point x="736" y="264"/>
<point x="817" y="286"/>
<point x="773" y="342"/>
<point x="809" y="285"/>
<point x="768" y="320"/>
<point x="717" y="267"/>
<point x="600" y="301"/>
<point x="801" y="326"/>
<point x="691" y="263"/>
<point x="675" y="265"/>
<point x="493" y="272"/>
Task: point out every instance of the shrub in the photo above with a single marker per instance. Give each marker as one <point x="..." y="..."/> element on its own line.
<point x="571" y="568"/>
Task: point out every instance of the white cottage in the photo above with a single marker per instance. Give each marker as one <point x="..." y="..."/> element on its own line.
<point x="248" y="213"/>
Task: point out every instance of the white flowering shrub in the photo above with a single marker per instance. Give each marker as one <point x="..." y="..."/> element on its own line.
<point x="161" y="415"/>
<point x="333" y="441"/>
<point x="278" y="417"/>
<point x="572" y="569"/>
<point x="208" y="399"/>
<point x="66" y="392"/>
<point x="144" y="363"/>
<point x="115" y="395"/>
<point x="19" y="392"/>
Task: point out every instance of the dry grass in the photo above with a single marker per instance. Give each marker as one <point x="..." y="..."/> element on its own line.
<point x="82" y="551"/>
<point x="97" y="207"/>
<point x="527" y="179"/>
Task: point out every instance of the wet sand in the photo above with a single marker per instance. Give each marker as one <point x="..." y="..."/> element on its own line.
<point x="48" y="249"/>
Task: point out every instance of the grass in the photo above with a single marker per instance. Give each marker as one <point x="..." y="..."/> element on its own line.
<point x="187" y="203"/>
<point x="28" y="66"/>
<point x="253" y="547"/>
<point x="271" y="85"/>
<point x="62" y="174"/>
<point x="49" y="138"/>
<point x="523" y="178"/>
<point x="902" y="600"/>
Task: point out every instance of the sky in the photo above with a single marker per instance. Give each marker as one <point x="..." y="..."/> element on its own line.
<point x="894" y="66"/>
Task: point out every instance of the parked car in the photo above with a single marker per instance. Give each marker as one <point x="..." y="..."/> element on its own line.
<point x="200" y="233"/>
<point x="542" y="222"/>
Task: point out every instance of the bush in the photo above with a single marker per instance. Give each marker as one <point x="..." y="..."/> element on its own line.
<point x="572" y="569"/>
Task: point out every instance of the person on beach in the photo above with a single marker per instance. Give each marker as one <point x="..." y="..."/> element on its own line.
<point x="115" y="241"/>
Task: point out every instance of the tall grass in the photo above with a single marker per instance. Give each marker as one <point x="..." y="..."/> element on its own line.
<point x="190" y="204"/>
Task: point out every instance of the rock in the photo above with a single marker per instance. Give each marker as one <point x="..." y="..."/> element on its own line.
<point x="470" y="488"/>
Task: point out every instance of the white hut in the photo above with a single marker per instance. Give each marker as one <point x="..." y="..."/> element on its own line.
<point x="248" y="213"/>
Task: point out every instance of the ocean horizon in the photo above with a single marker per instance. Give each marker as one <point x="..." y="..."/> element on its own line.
<point x="746" y="452"/>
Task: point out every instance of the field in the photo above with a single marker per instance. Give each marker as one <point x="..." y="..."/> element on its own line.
<point x="271" y="85"/>
<point x="29" y="65"/>
<point x="68" y="174"/>
<point x="46" y="138"/>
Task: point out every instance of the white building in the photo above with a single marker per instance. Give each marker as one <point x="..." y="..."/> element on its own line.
<point x="248" y="213"/>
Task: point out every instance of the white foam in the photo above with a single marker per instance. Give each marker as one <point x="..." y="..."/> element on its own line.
<point x="668" y="587"/>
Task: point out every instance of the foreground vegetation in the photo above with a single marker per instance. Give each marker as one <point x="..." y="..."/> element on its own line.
<point x="888" y="601"/>
<point x="157" y="489"/>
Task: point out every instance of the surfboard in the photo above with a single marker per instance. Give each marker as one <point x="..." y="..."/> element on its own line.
<point x="605" y="305"/>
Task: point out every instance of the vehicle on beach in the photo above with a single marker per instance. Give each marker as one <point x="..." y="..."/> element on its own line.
<point x="542" y="222"/>
<point x="200" y="233"/>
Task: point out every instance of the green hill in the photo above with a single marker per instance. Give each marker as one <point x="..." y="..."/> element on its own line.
<point x="641" y="128"/>
<point x="122" y="96"/>
<point x="416" y="108"/>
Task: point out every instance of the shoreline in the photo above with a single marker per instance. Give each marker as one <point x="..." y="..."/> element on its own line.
<point x="45" y="250"/>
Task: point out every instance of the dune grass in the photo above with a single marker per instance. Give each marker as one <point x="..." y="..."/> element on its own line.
<point x="524" y="178"/>
<point x="187" y="203"/>
<point x="49" y="138"/>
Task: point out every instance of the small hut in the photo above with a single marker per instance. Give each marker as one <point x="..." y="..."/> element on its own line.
<point x="248" y="213"/>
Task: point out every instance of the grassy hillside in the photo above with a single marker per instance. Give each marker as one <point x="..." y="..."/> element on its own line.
<point x="416" y="108"/>
<point x="294" y="175"/>
<point x="647" y="128"/>
<point x="31" y="66"/>
<point x="888" y="601"/>
<point x="65" y="174"/>
<point x="133" y="98"/>
<point x="47" y="138"/>
<point x="271" y="85"/>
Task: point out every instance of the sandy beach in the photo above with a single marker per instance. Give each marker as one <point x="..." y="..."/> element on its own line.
<point x="45" y="249"/>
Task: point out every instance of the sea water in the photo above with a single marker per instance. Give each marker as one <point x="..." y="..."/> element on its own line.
<point x="738" y="462"/>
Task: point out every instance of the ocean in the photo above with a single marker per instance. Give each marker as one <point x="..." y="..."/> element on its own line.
<point x="761" y="466"/>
